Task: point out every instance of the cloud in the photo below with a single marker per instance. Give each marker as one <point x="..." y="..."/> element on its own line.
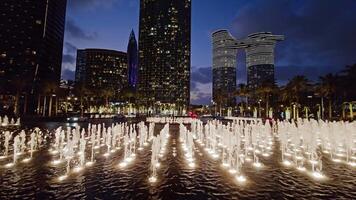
<point x="68" y="74"/>
<point x="76" y="32"/>
<point x="67" y="58"/>
<point x="91" y="4"/>
<point x="318" y="32"/>
<point x="201" y="74"/>
<point x="201" y="93"/>
<point x="70" y="48"/>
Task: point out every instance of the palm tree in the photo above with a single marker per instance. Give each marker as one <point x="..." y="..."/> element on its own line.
<point x="294" y="91"/>
<point x="327" y="88"/>
<point x="107" y="94"/>
<point x="348" y="83"/>
<point x="220" y="98"/>
<point x="81" y="91"/>
<point x="243" y="92"/>
<point x="265" y="90"/>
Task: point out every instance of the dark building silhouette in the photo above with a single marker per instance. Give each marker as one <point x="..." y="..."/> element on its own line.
<point x="31" y="45"/>
<point x="99" y="70"/>
<point x="164" y="52"/>
<point x="132" y="58"/>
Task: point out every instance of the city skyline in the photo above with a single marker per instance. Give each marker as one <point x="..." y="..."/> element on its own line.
<point x="305" y="52"/>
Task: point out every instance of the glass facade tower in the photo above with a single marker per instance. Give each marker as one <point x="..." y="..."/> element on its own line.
<point x="164" y="52"/>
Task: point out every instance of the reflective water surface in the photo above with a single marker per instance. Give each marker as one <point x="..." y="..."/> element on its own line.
<point x="38" y="179"/>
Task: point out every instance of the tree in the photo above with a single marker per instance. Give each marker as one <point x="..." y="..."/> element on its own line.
<point x="243" y="92"/>
<point x="220" y="98"/>
<point x="81" y="91"/>
<point x="265" y="91"/>
<point x="294" y="90"/>
<point x="327" y="88"/>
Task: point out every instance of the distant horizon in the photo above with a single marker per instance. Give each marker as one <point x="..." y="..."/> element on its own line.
<point x="312" y="47"/>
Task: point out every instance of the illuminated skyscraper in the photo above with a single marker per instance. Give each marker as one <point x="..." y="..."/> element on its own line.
<point x="259" y="49"/>
<point x="31" y="45"/>
<point x="132" y="60"/>
<point x="101" y="69"/>
<point x="224" y="68"/>
<point x="164" y="52"/>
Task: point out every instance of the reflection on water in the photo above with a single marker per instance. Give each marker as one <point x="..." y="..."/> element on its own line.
<point x="105" y="180"/>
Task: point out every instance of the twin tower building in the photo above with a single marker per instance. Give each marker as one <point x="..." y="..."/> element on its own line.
<point x="259" y="48"/>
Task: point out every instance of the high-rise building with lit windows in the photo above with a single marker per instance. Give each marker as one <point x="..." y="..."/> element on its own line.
<point x="164" y="52"/>
<point x="31" y="40"/>
<point x="98" y="70"/>
<point x="259" y="49"/>
<point x="31" y="45"/>
<point x="224" y="68"/>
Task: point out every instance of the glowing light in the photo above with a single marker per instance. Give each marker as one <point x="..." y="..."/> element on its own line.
<point x="191" y="165"/>
<point x="88" y="164"/>
<point x="77" y="169"/>
<point x="140" y="148"/>
<point x="61" y="178"/>
<point x="232" y="171"/>
<point x="26" y="160"/>
<point x="299" y="157"/>
<point x="257" y="164"/>
<point x="225" y="165"/>
<point x="56" y="162"/>
<point x="152" y="179"/>
<point x="158" y="165"/>
<point x="313" y="162"/>
<point x="337" y="160"/>
<point x="301" y="169"/>
<point x="265" y="155"/>
<point x="317" y="175"/>
<point x="241" y="179"/>
<point x="287" y="163"/>
<point x="2" y="157"/>
<point x="353" y="164"/>
<point x="106" y="154"/>
<point x="123" y="164"/>
<point x="8" y="165"/>
<point x="54" y="152"/>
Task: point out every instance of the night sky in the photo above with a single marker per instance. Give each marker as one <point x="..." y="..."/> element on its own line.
<point x="320" y="35"/>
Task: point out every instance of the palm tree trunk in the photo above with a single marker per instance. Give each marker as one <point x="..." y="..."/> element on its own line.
<point x="81" y="106"/>
<point x="44" y="106"/>
<point x="39" y="104"/>
<point x="25" y="105"/>
<point x="50" y="106"/>
<point x="267" y="106"/>
<point x="330" y="109"/>
<point x="56" y="107"/>
<point x="16" y="106"/>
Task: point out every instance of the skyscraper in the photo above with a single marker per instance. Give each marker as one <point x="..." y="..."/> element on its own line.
<point x="100" y="70"/>
<point x="224" y="68"/>
<point x="132" y="60"/>
<point x="164" y="52"/>
<point x="259" y="49"/>
<point x="31" y="44"/>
